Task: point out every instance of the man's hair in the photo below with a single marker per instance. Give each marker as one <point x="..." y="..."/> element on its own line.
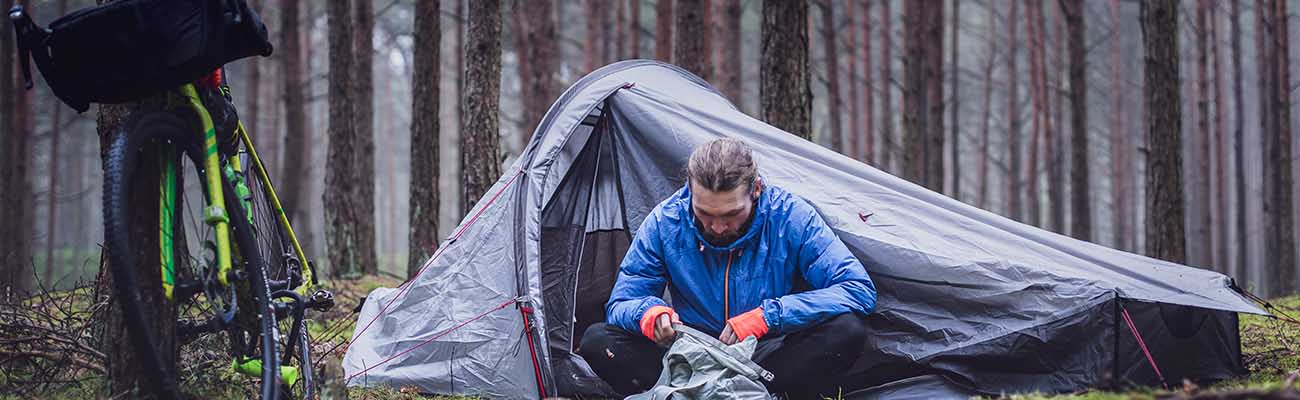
<point x="722" y="165"/>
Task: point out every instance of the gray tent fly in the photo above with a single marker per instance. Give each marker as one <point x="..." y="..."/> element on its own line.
<point x="969" y="301"/>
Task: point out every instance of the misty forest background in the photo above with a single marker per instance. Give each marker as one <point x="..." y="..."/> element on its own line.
<point x="1157" y="127"/>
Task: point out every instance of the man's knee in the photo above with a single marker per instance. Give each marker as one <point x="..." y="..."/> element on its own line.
<point x="848" y="329"/>
<point x="597" y="336"/>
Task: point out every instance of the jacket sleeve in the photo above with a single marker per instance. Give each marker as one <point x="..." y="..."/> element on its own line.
<point x="641" y="279"/>
<point x="840" y="282"/>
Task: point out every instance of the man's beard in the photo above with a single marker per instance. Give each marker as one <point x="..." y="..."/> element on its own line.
<point x="726" y="238"/>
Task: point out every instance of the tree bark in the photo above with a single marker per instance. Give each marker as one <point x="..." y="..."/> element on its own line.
<point x="923" y="95"/>
<point x="1279" y="249"/>
<point x="1014" y="192"/>
<point x="1040" y="124"/>
<point x="729" y="46"/>
<point x="981" y="198"/>
<point x="51" y="201"/>
<point x="867" y="145"/>
<point x="297" y="141"/>
<point x="887" y="87"/>
<point x="620" y="25"/>
<point x="1055" y="143"/>
<point x="691" y="49"/>
<point x="341" y="187"/>
<point x="1238" y="129"/>
<point x="954" y="121"/>
<point x="480" y="147"/>
<point x="1080" y="207"/>
<point x="1119" y="144"/>
<point x="664" y="30"/>
<point x="1165" y="234"/>
<point x="783" y="73"/>
<point x="832" y="75"/>
<point x="363" y="103"/>
<point x="636" y="29"/>
<point x="594" y="48"/>
<point x="10" y="267"/>
<point x="538" y="46"/>
<point x="1220" y="222"/>
<point x="1202" y="254"/>
<point x="851" y="147"/>
<point x="424" y="135"/>
<point x="17" y="190"/>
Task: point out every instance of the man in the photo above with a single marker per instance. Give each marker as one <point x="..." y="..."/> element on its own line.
<point x="732" y="252"/>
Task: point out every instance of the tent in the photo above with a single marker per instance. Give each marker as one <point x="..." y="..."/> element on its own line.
<point x="967" y="298"/>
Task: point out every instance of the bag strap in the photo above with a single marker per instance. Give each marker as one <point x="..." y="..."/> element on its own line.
<point x="27" y="36"/>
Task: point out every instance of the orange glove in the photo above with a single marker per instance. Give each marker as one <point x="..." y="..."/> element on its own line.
<point x="652" y="314"/>
<point x="751" y="323"/>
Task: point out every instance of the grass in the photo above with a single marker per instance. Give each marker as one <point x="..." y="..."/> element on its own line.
<point x="1270" y="350"/>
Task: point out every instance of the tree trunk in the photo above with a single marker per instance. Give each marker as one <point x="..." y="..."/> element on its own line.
<point x="1279" y="248"/>
<point x="1081" y="213"/>
<point x="480" y="147"/>
<point x="1220" y="222"/>
<point x="832" y="75"/>
<point x="363" y="103"/>
<point x="783" y="74"/>
<point x="636" y="29"/>
<point x="1056" y="179"/>
<point x="1014" y="193"/>
<point x="254" y="83"/>
<point x="1165" y="236"/>
<point x="620" y="25"/>
<point x="17" y="190"/>
<point x="1202" y="254"/>
<point x="1238" y="129"/>
<point x="954" y="123"/>
<point x="1039" y="123"/>
<point x="341" y="186"/>
<point x="594" y="47"/>
<point x="986" y="116"/>
<point x="729" y="46"/>
<point x="691" y="50"/>
<point x="1119" y="145"/>
<point x="10" y="267"/>
<point x="923" y="95"/>
<point x="297" y="140"/>
<point x="51" y="202"/>
<point x="664" y="30"/>
<point x="424" y="135"/>
<point x="541" y="55"/>
<point x="851" y="147"/>
<point x="887" y="86"/>
<point x="867" y="145"/>
<point x="125" y="372"/>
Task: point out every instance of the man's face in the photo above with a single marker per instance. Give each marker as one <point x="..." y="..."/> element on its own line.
<point x="722" y="217"/>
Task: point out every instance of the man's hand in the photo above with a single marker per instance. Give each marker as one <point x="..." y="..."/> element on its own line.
<point x="728" y="336"/>
<point x="664" y="332"/>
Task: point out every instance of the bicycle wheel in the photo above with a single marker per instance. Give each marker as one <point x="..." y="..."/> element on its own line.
<point x="284" y="273"/>
<point x="265" y="340"/>
<point x="126" y="180"/>
<point x="154" y="159"/>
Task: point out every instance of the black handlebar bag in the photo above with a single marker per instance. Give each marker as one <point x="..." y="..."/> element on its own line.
<point x="125" y="50"/>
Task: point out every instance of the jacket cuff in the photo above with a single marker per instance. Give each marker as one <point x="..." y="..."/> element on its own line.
<point x="751" y="323"/>
<point x="652" y="314"/>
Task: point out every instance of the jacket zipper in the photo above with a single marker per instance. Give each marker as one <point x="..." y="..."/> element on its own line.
<point x="726" y="288"/>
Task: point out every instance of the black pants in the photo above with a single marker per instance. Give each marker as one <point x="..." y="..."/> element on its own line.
<point x="806" y="363"/>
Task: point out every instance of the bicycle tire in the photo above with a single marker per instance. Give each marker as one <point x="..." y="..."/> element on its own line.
<point x="243" y="233"/>
<point x="274" y="245"/>
<point x="120" y="164"/>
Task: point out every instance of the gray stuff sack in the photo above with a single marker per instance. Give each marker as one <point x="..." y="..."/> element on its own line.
<point x="698" y="366"/>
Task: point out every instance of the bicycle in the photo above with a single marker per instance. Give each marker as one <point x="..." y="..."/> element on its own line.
<point x="228" y="256"/>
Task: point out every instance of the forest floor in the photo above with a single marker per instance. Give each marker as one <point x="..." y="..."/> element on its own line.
<point x="67" y="366"/>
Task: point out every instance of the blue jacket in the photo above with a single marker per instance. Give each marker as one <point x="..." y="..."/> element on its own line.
<point x="788" y="239"/>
